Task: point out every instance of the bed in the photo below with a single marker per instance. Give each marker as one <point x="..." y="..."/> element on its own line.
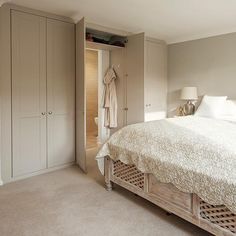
<point x="185" y="165"/>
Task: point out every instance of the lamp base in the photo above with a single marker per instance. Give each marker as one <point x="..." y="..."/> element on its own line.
<point x="189" y="108"/>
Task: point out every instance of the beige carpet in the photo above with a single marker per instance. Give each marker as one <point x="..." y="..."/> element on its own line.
<point x="67" y="202"/>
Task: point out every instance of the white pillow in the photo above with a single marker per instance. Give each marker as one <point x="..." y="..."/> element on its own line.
<point x="211" y="106"/>
<point x="229" y="108"/>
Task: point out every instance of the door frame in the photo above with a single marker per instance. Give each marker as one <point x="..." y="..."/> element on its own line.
<point x="80" y="95"/>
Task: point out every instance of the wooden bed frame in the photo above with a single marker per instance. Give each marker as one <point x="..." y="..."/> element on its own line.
<point x="217" y="220"/>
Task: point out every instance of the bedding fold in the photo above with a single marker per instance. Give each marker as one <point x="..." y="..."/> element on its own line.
<point x="196" y="154"/>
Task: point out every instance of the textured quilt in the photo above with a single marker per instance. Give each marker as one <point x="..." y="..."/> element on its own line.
<point x="197" y="155"/>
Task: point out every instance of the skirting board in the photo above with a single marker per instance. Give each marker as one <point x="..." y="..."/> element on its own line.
<point x="38" y="173"/>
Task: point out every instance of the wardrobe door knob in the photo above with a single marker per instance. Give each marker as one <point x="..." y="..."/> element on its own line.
<point x="50" y="112"/>
<point x="43" y="113"/>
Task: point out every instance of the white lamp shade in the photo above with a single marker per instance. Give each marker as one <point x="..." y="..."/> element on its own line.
<point x="189" y="93"/>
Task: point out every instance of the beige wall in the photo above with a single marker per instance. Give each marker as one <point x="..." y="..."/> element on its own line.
<point x="209" y="64"/>
<point x="91" y="90"/>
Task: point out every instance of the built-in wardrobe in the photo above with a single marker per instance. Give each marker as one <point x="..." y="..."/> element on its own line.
<point x="141" y="68"/>
<point x="37" y="92"/>
<point x="42" y="88"/>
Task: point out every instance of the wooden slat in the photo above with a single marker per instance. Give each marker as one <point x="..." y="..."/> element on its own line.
<point x="217" y="220"/>
<point x="218" y="215"/>
<point x="129" y="174"/>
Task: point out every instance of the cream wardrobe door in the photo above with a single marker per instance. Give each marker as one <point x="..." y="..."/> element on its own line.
<point x="28" y="93"/>
<point x="155" y="79"/>
<point x="80" y="96"/>
<point x="135" y="78"/>
<point x="60" y="92"/>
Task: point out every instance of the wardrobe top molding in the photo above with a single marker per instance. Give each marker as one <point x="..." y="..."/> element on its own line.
<point x="10" y="6"/>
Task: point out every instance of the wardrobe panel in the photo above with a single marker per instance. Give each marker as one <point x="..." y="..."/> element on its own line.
<point x="135" y="78"/>
<point x="60" y="92"/>
<point x="155" y="79"/>
<point x="80" y="96"/>
<point x="28" y="93"/>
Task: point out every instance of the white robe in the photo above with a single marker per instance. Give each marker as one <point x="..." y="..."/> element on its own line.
<point x="110" y="99"/>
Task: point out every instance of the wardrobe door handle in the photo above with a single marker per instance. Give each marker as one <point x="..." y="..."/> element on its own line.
<point x="43" y="113"/>
<point x="50" y="112"/>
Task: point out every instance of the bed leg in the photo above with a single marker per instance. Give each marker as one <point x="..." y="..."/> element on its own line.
<point x="108" y="174"/>
<point x="109" y="186"/>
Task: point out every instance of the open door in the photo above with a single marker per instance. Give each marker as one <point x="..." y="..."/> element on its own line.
<point x="80" y="96"/>
<point x="134" y="58"/>
<point x="117" y="61"/>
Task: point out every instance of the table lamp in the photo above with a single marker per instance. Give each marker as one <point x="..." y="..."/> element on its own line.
<point x="189" y="94"/>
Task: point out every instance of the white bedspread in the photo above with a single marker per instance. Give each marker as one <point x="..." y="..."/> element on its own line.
<point x="197" y="155"/>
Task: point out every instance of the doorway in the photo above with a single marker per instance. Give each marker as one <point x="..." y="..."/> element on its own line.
<point x="91" y="78"/>
<point x="97" y="63"/>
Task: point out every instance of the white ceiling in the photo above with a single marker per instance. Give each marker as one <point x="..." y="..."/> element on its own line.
<point x="171" y="20"/>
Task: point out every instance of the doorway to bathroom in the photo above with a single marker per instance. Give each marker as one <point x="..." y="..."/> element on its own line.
<point x="96" y="65"/>
<point x="91" y="79"/>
